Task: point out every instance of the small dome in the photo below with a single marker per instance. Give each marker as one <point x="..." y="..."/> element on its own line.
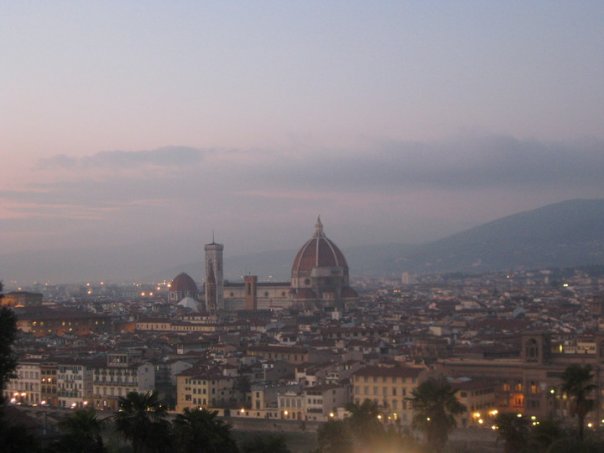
<point x="189" y="302"/>
<point x="184" y="284"/>
<point x="318" y="252"/>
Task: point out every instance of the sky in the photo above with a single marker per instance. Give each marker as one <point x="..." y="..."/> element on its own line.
<point x="152" y="124"/>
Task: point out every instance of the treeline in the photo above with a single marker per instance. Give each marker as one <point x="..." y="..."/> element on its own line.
<point x="142" y="423"/>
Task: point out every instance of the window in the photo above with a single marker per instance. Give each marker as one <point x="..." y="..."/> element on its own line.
<point x="532" y="350"/>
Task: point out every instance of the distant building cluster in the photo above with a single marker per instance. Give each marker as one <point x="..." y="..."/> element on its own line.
<point x="303" y="350"/>
<point x="319" y="277"/>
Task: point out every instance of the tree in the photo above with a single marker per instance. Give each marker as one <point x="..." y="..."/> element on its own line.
<point x="435" y="407"/>
<point x="200" y="431"/>
<point x="544" y="434"/>
<point x="335" y="436"/>
<point x="81" y="433"/>
<point x="141" y="419"/>
<point x="8" y="333"/>
<point x="265" y="443"/>
<point x="513" y="430"/>
<point x="364" y="421"/>
<point x="13" y="437"/>
<point x="576" y="382"/>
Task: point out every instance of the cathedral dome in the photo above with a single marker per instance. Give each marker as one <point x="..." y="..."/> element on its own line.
<point x="319" y="270"/>
<point x="319" y="251"/>
<point x="183" y="282"/>
<point x="182" y="286"/>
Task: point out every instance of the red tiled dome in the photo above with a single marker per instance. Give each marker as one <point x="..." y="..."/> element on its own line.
<point x="319" y="251"/>
<point x="183" y="283"/>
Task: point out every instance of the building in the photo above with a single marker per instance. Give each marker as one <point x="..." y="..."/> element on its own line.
<point x="319" y="279"/>
<point x="291" y="354"/>
<point x="21" y="299"/>
<point x="205" y="388"/>
<point x="320" y="273"/>
<point x="48" y="384"/>
<point x="254" y="295"/>
<point x="74" y="383"/>
<point x="24" y="388"/>
<point x="530" y="383"/>
<point x="323" y="401"/>
<point x="478" y="396"/>
<point x="121" y="374"/>
<point x="389" y="387"/>
<point x="214" y="278"/>
<point x="44" y="321"/>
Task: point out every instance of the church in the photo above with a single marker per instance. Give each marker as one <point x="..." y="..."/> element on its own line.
<point x="319" y="280"/>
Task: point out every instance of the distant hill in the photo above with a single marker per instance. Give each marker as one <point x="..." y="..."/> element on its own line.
<point x="566" y="234"/>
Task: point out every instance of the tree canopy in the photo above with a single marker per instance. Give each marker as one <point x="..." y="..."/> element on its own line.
<point x="141" y="419"/>
<point x="435" y="407"/>
<point x="577" y="384"/>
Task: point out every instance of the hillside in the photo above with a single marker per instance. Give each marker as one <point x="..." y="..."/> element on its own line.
<point x="565" y="234"/>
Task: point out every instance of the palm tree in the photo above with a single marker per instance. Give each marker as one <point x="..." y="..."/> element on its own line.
<point x="576" y="382"/>
<point x="81" y="433"/>
<point x="435" y="406"/>
<point x="141" y="419"/>
<point x="200" y="431"/>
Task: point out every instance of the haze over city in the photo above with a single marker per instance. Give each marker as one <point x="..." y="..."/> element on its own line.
<point x="154" y="124"/>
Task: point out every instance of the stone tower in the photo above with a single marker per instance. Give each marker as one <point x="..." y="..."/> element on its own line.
<point x="214" y="271"/>
<point x="251" y="292"/>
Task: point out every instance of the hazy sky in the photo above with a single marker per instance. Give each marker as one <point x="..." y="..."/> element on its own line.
<point x="126" y="121"/>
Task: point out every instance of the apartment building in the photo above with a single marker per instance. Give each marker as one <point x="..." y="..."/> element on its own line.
<point x="389" y="387"/>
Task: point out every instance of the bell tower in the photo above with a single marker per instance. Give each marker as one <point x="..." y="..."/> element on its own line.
<point x="214" y="271"/>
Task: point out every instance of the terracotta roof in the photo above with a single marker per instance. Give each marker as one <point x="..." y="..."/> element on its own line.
<point x="183" y="283"/>
<point x="319" y="251"/>
<point x="388" y="371"/>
